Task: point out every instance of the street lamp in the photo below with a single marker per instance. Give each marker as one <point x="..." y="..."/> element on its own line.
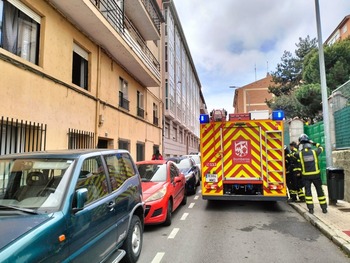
<point x="327" y="138"/>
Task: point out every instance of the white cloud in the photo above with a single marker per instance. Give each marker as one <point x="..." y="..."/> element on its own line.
<point x="234" y="42"/>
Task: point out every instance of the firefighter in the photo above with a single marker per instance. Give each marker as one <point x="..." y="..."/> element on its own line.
<point x="310" y="172"/>
<point x="296" y="169"/>
<point x="291" y="182"/>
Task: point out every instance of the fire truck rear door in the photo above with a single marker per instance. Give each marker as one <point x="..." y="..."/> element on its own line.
<point x="242" y="153"/>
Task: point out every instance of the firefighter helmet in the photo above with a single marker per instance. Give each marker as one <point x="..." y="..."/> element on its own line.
<point x="304" y="138"/>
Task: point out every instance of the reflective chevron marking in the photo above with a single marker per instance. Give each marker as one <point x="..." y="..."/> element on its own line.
<point x="242" y="150"/>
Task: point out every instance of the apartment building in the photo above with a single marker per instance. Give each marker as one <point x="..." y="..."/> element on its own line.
<point x="340" y="32"/>
<point x="83" y="74"/>
<point x="252" y="96"/>
<point x="183" y="99"/>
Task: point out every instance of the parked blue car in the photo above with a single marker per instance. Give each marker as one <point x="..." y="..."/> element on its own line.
<point x="73" y="205"/>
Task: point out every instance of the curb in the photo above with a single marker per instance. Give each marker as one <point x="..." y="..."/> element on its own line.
<point x="335" y="235"/>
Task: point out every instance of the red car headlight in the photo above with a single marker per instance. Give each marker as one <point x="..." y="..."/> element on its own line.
<point x="157" y="195"/>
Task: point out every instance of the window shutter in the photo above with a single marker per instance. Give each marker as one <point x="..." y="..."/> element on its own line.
<point x="23" y="8"/>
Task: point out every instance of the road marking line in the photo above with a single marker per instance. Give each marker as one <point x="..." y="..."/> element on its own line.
<point x="191" y="205"/>
<point x="184" y="216"/>
<point x="196" y="197"/>
<point x="158" y="257"/>
<point x="173" y="233"/>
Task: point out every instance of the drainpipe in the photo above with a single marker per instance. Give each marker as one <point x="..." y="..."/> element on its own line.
<point x="98" y="85"/>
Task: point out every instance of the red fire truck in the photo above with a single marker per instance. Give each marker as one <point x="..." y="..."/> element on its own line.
<point x="242" y="158"/>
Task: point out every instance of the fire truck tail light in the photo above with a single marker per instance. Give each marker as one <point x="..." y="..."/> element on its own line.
<point x="213" y="186"/>
<point x="276" y="186"/>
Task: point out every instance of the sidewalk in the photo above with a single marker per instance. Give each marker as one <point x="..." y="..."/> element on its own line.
<point x="335" y="224"/>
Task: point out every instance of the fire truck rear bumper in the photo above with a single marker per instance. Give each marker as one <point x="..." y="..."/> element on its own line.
<point x="246" y="198"/>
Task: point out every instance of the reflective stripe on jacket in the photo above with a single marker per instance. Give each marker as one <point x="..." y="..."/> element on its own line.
<point x="309" y="161"/>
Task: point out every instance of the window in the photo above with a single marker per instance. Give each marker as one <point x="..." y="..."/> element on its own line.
<point x="123" y="94"/>
<point x="124" y="144"/>
<point x="155" y="114"/>
<point x="166" y="95"/>
<point x="140" y="151"/>
<point x="19" y="30"/>
<point x="80" y="139"/>
<point x="140" y="107"/>
<point x="175" y="134"/>
<point x="93" y="177"/>
<point x="80" y="67"/>
<point x="167" y="130"/>
<point x="120" y="168"/>
<point x="18" y="136"/>
<point x="344" y="29"/>
<point x="173" y="172"/>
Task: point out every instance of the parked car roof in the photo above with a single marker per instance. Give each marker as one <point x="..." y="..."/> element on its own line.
<point x="73" y="153"/>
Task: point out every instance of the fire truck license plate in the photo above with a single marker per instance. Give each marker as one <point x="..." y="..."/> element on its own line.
<point x="211" y="178"/>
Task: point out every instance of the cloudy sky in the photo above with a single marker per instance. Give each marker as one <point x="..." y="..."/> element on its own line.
<point x="236" y="42"/>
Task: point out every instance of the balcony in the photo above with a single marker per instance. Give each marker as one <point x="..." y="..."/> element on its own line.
<point x="140" y="112"/>
<point x="155" y="120"/>
<point x="123" y="102"/>
<point x="146" y="16"/>
<point x="108" y="26"/>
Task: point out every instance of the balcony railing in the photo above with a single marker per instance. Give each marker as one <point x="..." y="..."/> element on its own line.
<point x="140" y="112"/>
<point x="155" y="120"/>
<point x="124" y="103"/>
<point x="151" y="9"/>
<point x="116" y="17"/>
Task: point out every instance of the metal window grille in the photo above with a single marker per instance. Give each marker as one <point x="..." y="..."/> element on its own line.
<point x="124" y="103"/>
<point x="21" y="136"/>
<point x="80" y="139"/>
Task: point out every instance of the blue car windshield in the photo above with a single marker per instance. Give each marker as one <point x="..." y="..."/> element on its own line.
<point x="184" y="164"/>
<point x="36" y="184"/>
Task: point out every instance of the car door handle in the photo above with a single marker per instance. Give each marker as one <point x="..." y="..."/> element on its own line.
<point x="111" y="205"/>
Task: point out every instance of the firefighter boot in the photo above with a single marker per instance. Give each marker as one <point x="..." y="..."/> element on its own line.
<point x="301" y="195"/>
<point x="323" y="203"/>
<point x="309" y="204"/>
<point x="311" y="208"/>
<point x="293" y="196"/>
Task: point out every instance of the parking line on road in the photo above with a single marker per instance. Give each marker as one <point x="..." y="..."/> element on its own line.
<point x="191" y="205"/>
<point x="173" y="233"/>
<point x="184" y="216"/>
<point x="158" y="257"/>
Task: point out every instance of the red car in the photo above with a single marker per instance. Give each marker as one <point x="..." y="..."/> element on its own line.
<point x="163" y="188"/>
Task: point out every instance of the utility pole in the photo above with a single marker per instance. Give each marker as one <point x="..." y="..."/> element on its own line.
<point x="328" y="145"/>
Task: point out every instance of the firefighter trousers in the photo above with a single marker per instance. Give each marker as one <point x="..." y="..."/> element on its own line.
<point x="292" y="185"/>
<point x="300" y="187"/>
<point x="320" y="194"/>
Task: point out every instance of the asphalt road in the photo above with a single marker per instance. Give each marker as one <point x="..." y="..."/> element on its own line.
<point x="237" y="231"/>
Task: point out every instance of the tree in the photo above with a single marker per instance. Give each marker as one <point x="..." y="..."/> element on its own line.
<point x="289" y="104"/>
<point x="288" y="74"/>
<point x="337" y="64"/>
<point x="288" y="77"/>
<point x="310" y="97"/>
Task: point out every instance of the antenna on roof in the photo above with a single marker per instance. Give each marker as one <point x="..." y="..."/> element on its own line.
<point x="267" y="67"/>
<point x="255" y="70"/>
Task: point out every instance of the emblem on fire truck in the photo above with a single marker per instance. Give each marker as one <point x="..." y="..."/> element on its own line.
<point x="241" y="151"/>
